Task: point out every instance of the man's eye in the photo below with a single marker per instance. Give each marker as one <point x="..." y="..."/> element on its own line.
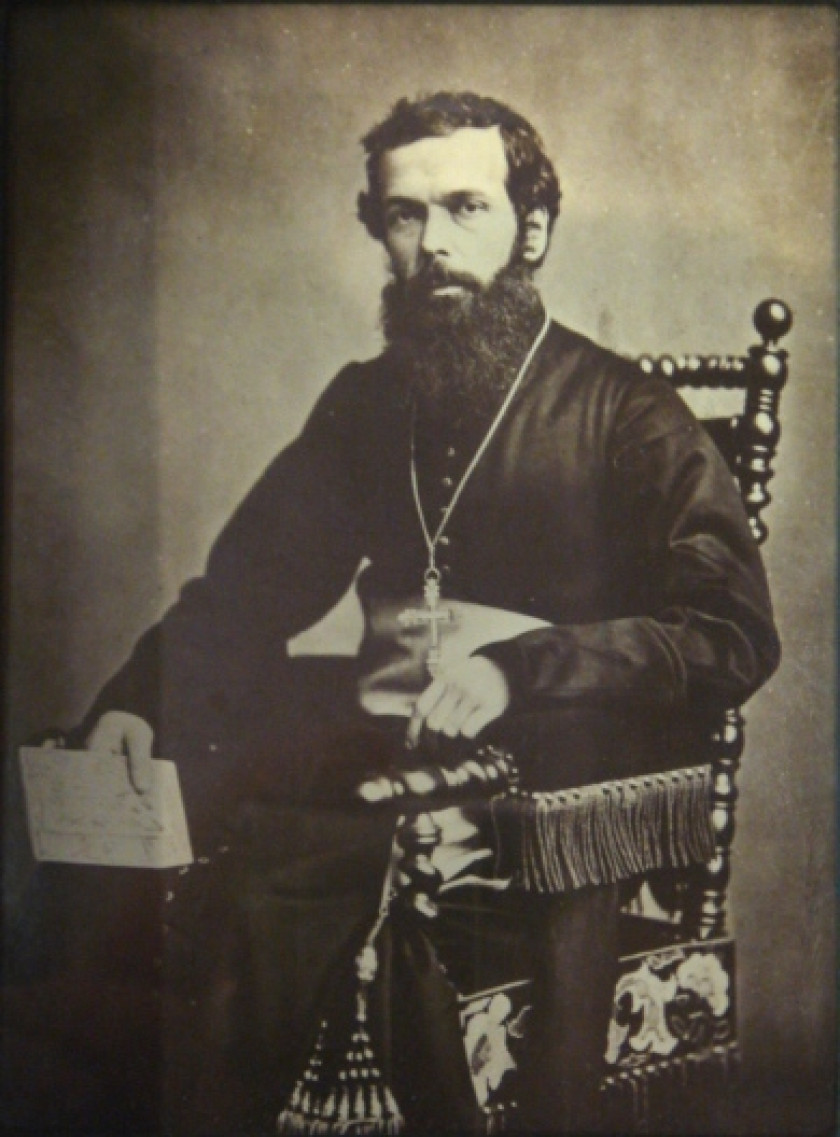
<point x="471" y="208"/>
<point x="398" y="218"/>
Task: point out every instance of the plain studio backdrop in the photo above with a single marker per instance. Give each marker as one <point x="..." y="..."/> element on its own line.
<point x="187" y="273"/>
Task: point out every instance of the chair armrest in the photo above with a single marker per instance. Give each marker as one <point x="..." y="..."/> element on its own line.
<point x="488" y="772"/>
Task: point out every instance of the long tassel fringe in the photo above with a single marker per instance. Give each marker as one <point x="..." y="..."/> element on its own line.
<point x="608" y="832"/>
<point x="354" y="1100"/>
<point x="361" y="1103"/>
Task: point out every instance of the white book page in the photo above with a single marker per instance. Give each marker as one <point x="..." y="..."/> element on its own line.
<point x="82" y="809"/>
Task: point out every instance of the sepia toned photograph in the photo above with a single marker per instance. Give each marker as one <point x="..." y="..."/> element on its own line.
<point x="420" y="558"/>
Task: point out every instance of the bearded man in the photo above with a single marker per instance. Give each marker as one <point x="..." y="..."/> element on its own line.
<point x="555" y="560"/>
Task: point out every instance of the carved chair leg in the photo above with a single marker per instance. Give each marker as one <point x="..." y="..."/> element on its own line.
<point x="418" y="836"/>
<point x="707" y="918"/>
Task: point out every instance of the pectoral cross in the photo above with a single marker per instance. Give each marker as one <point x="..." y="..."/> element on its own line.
<point x="431" y="615"/>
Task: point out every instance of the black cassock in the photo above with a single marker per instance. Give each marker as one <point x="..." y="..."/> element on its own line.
<point x="600" y="507"/>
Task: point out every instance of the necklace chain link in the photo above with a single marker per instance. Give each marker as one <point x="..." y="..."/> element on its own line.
<point x="432" y="573"/>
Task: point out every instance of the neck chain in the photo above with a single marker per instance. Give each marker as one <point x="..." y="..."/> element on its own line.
<point x="431" y="616"/>
<point x="432" y="539"/>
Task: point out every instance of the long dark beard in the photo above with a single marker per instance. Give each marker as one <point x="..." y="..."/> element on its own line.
<point x="462" y="352"/>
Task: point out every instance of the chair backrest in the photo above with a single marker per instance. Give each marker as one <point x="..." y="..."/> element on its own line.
<point x="748" y="442"/>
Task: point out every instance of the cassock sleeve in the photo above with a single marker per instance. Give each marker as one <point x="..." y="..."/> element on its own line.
<point x="705" y="634"/>
<point x="285" y="557"/>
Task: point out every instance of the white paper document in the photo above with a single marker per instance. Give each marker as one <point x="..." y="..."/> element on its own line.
<point x="83" y="810"/>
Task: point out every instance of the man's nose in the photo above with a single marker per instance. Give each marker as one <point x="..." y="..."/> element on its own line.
<point x="437" y="233"/>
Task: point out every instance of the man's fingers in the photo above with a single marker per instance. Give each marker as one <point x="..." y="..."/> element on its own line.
<point x="139" y="748"/>
<point x="430" y="698"/>
<point x="444" y="718"/>
<point x="443" y="712"/>
<point x="106" y="737"/>
<point x="119" y="732"/>
<point x="415" y="726"/>
<point x="422" y="708"/>
<point x="462" y="701"/>
<point x="476" y="721"/>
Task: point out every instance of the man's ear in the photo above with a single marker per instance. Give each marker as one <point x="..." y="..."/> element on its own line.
<point x="535" y="236"/>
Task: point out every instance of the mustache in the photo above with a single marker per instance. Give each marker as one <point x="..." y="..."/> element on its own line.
<point x="435" y="275"/>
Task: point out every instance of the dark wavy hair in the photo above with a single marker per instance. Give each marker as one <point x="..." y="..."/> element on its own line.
<point x="531" y="182"/>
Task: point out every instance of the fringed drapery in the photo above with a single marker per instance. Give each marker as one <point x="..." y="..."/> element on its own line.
<point x="604" y="833"/>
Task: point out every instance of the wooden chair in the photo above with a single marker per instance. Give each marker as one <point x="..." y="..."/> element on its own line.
<point x="674" y="1017"/>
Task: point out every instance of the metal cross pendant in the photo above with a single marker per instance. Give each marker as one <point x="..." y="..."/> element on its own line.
<point x="431" y="615"/>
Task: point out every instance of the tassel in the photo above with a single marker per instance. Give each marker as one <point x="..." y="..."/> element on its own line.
<point x="604" y="833"/>
<point x="361" y="1103"/>
<point x="355" y="1099"/>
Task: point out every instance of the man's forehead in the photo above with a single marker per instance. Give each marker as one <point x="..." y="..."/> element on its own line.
<point x="469" y="158"/>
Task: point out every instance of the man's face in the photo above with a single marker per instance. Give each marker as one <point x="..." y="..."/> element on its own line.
<point x="447" y="212"/>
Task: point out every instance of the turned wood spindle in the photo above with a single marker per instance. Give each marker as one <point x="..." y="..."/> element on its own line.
<point x="418" y="836"/>
<point x="759" y="428"/>
<point x="713" y="877"/>
<point x="417" y="791"/>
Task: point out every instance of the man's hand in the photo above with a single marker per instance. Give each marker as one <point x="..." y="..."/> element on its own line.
<point x="130" y="737"/>
<point x="461" y="701"/>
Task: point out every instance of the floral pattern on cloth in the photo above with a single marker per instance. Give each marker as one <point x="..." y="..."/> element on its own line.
<point x="492" y="1030"/>
<point x="674" y="1003"/>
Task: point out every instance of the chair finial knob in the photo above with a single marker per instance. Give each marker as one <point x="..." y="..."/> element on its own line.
<point x="772" y="319"/>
